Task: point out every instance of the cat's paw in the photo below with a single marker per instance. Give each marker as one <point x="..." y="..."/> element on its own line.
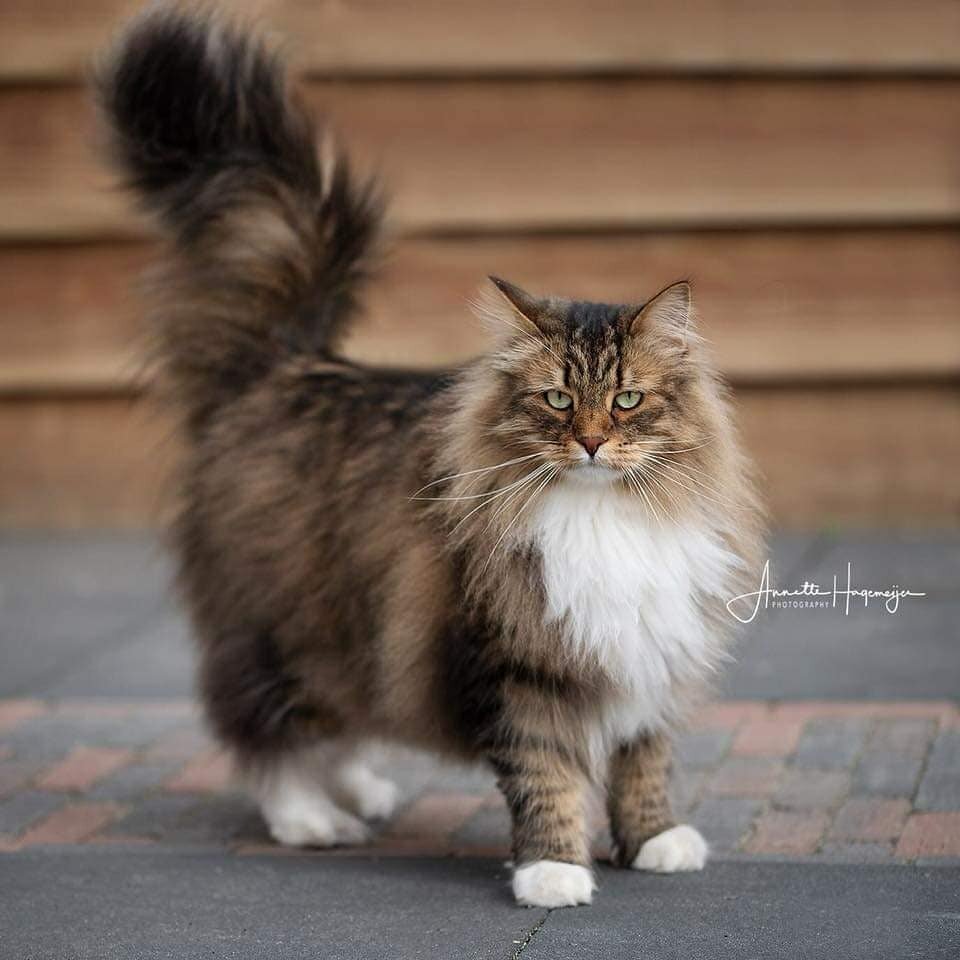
<point x="317" y="824"/>
<point x="549" y="883"/>
<point x="677" y="849"/>
<point x="366" y="793"/>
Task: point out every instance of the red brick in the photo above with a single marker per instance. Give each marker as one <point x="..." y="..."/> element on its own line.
<point x="14" y="712"/>
<point x="433" y="818"/>
<point x="767" y="738"/>
<point x="107" y="709"/>
<point x="208" y="773"/>
<point x="805" y="710"/>
<point x="870" y="819"/>
<point x="179" y="745"/>
<point x="729" y="714"/>
<point x="789" y="833"/>
<point x="72" y="824"/>
<point x="930" y="835"/>
<point x="746" y="777"/>
<point x="83" y="768"/>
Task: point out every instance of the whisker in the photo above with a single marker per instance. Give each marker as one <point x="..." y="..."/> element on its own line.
<point x="648" y="478"/>
<point x="696" y="493"/>
<point x="467" y="473"/>
<point x="477" y="496"/>
<point x="635" y="484"/>
<point x="658" y="442"/>
<point x="527" y="502"/>
<point x="519" y="486"/>
<point x="668" y="498"/>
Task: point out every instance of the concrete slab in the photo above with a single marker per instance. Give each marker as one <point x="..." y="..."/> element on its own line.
<point x="750" y="910"/>
<point x="112" y="904"/>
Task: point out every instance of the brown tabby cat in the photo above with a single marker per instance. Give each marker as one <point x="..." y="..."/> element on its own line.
<point x="523" y="560"/>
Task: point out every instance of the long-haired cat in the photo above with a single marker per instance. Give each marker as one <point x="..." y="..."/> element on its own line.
<point x="523" y="560"/>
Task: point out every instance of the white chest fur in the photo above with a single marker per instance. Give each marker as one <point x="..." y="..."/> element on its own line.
<point x="630" y="591"/>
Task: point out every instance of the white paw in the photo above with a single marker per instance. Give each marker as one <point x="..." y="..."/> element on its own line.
<point x="371" y="796"/>
<point x="300" y="820"/>
<point x="679" y="848"/>
<point x="549" y="883"/>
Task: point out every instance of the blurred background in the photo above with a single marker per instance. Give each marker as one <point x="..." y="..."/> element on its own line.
<point x="801" y="162"/>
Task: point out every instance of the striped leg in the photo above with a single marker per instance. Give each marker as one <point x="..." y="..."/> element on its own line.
<point x="551" y="855"/>
<point x="645" y="834"/>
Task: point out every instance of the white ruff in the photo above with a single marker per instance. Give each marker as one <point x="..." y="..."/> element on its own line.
<point x="630" y="590"/>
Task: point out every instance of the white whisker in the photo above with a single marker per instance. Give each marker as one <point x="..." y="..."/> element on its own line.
<point x="516" y="517"/>
<point x="520" y="484"/>
<point x="467" y="473"/>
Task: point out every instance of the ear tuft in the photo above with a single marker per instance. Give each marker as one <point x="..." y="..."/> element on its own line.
<point x="526" y="306"/>
<point x="668" y="313"/>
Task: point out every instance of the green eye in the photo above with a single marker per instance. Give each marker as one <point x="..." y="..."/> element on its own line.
<point x="628" y="399"/>
<point x="558" y="399"/>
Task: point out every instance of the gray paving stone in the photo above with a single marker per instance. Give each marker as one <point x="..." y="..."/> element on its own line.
<point x="831" y="744"/>
<point x="17" y="772"/>
<point x="703" y="748"/>
<point x="155" y="818"/>
<point x="132" y="782"/>
<point x="467" y="779"/>
<point x="886" y="774"/>
<point x="812" y="789"/>
<point x="926" y="562"/>
<point x="488" y="827"/>
<point x="151" y="905"/>
<point x="725" y="821"/>
<point x="940" y="786"/>
<point x="218" y="822"/>
<point x="22" y="809"/>
<point x="51" y="635"/>
<point x="752" y="910"/>
<point x="83" y="565"/>
<point x="798" y="654"/>
<point x="156" y="659"/>
<point x="686" y="786"/>
<point x="909" y="736"/>
<point x="50" y="736"/>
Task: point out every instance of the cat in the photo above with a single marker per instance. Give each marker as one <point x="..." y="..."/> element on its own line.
<point x="523" y="560"/>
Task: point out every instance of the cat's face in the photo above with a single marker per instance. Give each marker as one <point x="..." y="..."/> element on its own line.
<point x="602" y="390"/>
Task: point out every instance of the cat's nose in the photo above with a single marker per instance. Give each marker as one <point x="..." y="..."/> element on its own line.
<point x="591" y="444"/>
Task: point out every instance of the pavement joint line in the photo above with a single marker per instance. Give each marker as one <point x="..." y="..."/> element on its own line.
<point x="534" y="930"/>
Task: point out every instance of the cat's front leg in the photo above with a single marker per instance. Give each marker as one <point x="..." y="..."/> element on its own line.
<point x="645" y="835"/>
<point x="544" y="791"/>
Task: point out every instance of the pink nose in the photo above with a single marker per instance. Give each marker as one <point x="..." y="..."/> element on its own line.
<point x="591" y="444"/>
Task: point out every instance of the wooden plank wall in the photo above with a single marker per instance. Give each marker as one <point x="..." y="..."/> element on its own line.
<point x="801" y="162"/>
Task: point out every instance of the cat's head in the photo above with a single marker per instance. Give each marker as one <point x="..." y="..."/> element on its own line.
<point x="601" y="390"/>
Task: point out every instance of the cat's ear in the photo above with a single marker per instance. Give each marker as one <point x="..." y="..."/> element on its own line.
<point x="526" y="309"/>
<point x="668" y="315"/>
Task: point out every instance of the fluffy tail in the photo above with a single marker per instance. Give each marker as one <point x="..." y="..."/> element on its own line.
<point x="269" y="243"/>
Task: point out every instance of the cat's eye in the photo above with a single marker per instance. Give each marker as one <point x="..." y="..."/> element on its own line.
<point x="558" y="399"/>
<point x="628" y="399"/>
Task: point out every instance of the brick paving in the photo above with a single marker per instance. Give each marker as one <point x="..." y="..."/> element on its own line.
<point x="855" y="782"/>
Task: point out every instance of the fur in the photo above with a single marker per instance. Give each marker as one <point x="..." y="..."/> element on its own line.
<point x="523" y="560"/>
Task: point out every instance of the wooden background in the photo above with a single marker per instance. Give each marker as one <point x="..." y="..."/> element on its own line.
<point x="801" y="162"/>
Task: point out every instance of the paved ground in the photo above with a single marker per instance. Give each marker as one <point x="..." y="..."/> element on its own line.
<point x="827" y="778"/>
